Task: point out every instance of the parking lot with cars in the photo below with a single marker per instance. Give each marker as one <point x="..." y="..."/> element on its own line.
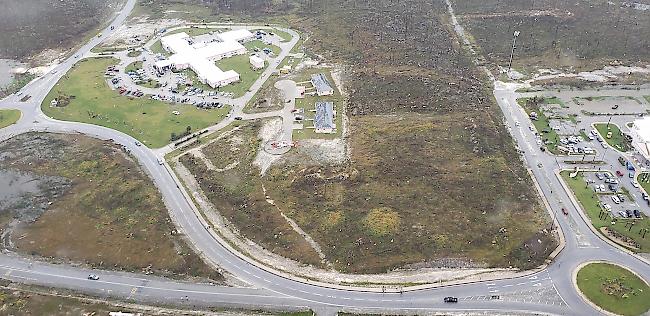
<point x="614" y="194"/>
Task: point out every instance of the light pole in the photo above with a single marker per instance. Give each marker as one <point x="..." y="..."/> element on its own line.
<point x="512" y="52"/>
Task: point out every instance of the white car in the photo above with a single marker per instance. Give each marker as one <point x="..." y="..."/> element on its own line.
<point x="635" y="184"/>
<point x="160" y="161"/>
<point x="615" y="199"/>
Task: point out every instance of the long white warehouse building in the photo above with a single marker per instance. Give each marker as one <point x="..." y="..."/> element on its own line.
<point x="200" y="57"/>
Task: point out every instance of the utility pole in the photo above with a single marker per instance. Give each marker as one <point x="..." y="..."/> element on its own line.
<point x="512" y="52"/>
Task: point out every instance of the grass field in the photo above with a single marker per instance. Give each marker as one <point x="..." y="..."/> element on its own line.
<point x="590" y="204"/>
<point x="247" y="75"/>
<point x="618" y="141"/>
<point x="8" y="117"/>
<point x="582" y="34"/>
<point x="112" y="203"/>
<point x="614" y="289"/>
<point x="286" y="37"/>
<point x="261" y="46"/>
<point x="94" y="102"/>
<point x="549" y="136"/>
<point x="237" y="194"/>
<point x="134" y="66"/>
<point x="157" y="48"/>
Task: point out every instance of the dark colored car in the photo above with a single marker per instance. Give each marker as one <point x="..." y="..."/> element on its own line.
<point x="637" y="214"/>
<point x="238" y="118"/>
<point x="565" y="211"/>
<point x="451" y="299"/>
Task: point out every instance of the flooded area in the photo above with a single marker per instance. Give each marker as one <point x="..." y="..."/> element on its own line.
<point x="8" y="68"/>
<point x="27" y="195"/>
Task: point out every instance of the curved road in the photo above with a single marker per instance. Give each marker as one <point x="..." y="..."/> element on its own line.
<point x="548" y="291"/>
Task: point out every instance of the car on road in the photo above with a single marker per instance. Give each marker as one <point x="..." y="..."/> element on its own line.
<point x="137" y="143"/>
<point x="161" y="161"/>
<point x="619" y="173"/>
<point x="644" y="195"/>
<point x="615" y="199"/>
<point x="238" y="118"/>
<point x="451" y="299"/>
<point x="564" y="211"/>
<point x="93" y="277"/>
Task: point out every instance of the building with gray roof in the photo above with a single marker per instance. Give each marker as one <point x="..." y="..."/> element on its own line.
<point x="322" y="85"/>
<point x="324" y="118"/>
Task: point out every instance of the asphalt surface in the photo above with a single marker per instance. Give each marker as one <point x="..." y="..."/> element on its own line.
<point x="549" y="291"/>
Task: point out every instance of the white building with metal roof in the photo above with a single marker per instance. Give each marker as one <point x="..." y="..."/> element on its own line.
<point x="201" y="57"/>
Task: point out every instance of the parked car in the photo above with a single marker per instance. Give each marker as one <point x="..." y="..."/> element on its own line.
<point x="600" y="176"/>
<point x="621" y="197"/>
<point x="631" y="175"/>
<point x="637" y="214"/>
<point x="623" y="214"/>
<point x="451" y="299"/>
<point x="565" y="211"/>
<point x="137" y="143"/>
<point x="635" y="184"/>
<point x="93" y="277"/>
<point x="615" y="199"/>
<point x="619" y="173"/>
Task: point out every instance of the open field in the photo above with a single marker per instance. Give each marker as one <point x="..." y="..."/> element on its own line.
<point x="233" y="185"/>
<point x="8" y="117"/>
<point x="432" y="167"/>
<point x="92" y="101"/>
<point x="618" y="140"/>
<point x="590" y="205"/>
<point x="29" y="27"/>
<point x="108" y="200"/>
<point x="18" y="82"/>
<point x="581" y="34"/>
<point x="614" y="289"/>
<point x="247" y="75"/>
<point x="260" y="46"/>
<point x="396" y="205"/>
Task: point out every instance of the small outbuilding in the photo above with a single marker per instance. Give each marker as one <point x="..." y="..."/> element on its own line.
<point x="256" y="62"/>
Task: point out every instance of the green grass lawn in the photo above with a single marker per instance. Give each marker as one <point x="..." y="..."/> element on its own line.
<point x="247" y="75"/>
<point x="286" y="37"/>
<point x="157" y="48"/>
<point x="618" y="140"/>
<point x="150" y="121"/>
<point x="134" y="53"/>
<point x="647" y="98"/>
<point x="8" y="117"/>
<point x="134" y="66"/>
<point x="194" y="31"/>
<point x="589" y="201"/>
<point x="260" y="46"/>
<point x="549" y="136"/>
<point x="614" y="289"/>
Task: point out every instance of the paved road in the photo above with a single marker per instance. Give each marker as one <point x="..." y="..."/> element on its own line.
<point x="547" y="291"/>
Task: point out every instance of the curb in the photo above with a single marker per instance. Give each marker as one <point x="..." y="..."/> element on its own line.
<point x="587" y="221"/>
<point x="549" y="209"/>
<point x="574" y="280"/>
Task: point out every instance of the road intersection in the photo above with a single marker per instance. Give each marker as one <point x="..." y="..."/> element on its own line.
<point x="549" y="290"/>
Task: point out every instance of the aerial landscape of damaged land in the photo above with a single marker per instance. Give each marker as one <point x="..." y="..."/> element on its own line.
<point x="334" y="157"/>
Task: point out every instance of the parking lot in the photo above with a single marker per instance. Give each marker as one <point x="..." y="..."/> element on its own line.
<point x="613" y="192"/>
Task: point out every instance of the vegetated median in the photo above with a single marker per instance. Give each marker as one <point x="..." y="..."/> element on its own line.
<point x="8" y="117"/>
<point x="83" y="95"/>
<point x="627" y="232"/>
<point x="614" y="288"/>
<point x="617" y="139"/>
<point x="88" y="201"/>
<point x="549" y="136"/>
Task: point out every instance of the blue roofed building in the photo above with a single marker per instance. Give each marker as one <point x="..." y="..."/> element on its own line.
<point x="324" y="118"/>
<point x="322" y="85"/>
